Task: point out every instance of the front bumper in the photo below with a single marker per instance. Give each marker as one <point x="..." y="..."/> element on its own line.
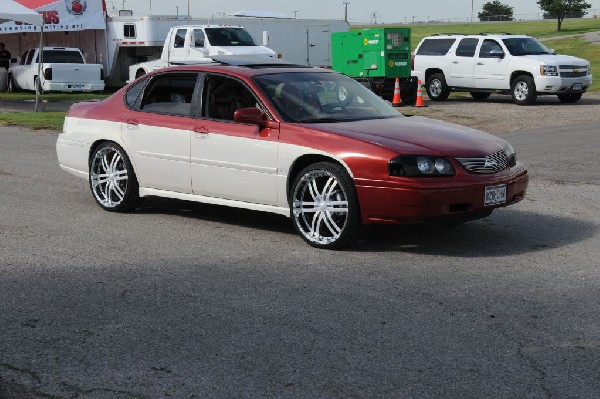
<point x="68" y="87"/>
<point x="559" y="85"/>
<point x="428" y="201"/>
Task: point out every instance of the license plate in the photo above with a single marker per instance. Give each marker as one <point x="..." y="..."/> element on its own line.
<point x="495" y="195"/>
<point x="577" y="86"/>
<point x="76" y="86"/>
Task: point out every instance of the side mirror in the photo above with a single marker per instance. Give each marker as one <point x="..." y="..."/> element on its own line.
<point x="495" y="53"/>
<point x="552" y="51"/>
<point x="251" y="115"/>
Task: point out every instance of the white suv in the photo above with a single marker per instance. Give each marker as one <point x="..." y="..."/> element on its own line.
<point x="498" y="63"/>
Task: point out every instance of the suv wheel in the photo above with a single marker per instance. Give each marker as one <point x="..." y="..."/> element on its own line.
<point x="437" y="89"/>
<point x="479" y="95"/>
<point x="523" y="90"/>
<point x="569" y="98"/>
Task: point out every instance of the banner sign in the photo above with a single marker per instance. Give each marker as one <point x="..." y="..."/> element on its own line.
<point x="61" y="15"/>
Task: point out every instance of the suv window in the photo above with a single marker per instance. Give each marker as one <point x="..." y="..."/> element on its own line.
<point x="170" y="93"/>
<point x="487" y="46"/>
<point x="435" y="46"/>
<point x="466" y="48"/>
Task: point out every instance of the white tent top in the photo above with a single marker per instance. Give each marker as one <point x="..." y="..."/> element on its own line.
<point x="12" y="11"/>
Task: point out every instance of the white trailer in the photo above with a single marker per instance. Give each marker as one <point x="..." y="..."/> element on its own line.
<point x="133" y="39"/>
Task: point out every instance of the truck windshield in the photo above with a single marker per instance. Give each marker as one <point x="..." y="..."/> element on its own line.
<point x="525" y="46"/>
<point x="229" y="37"/>
<point x="62" y="57"/>
<point x="322" y="97"/>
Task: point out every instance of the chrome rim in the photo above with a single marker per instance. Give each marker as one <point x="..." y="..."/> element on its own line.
<point x="435" y="87"/>
<point x="109" y="178"/>
<point x="521" y="91"/>
<point x="320" y="207"/>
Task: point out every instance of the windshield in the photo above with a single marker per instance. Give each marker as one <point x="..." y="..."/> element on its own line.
<point x="229" y="37"/>
<point x="62" y="57"/>
<point x="525" y="46"/>
<point x="317" y="97"/>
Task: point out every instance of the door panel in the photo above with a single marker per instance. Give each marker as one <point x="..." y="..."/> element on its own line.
<point x="234" y="161"/>
<point x="490" y="72"/>
<point x="318" y="45"/>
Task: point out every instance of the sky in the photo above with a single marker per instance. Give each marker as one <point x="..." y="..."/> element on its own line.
<point x="385" y="11"/>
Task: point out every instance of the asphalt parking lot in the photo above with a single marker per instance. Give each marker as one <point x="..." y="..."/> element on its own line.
<point x="186" y="300"/>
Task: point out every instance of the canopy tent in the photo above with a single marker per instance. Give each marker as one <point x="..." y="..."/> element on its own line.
<point x="13" y="11"/>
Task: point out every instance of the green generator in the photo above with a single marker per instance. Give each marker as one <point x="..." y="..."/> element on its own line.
<point x="376" y="57"/>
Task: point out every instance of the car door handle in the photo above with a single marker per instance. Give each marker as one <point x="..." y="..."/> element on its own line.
<point x="481" y="63"/>
<point x="201" y="132"/>
<point x="455" y="62"/>
<point x="132" y="124"/>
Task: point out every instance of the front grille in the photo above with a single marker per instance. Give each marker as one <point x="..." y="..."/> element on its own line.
<point x="485" y="165"/>
<point x="572" y="71"/>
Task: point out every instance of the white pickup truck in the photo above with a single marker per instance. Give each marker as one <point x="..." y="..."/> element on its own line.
<point x="498" y="63"/>
<point x="191" y="44"/>
<point x="63" y="69"/>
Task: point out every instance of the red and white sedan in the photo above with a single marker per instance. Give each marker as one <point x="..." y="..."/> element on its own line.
<point x="303" y="142"/>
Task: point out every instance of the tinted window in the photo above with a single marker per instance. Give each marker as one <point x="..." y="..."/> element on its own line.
<point x="466" y="48"/>
<point x="170" y="94"/>
<point x="313" y="97"/>
<point x="223" y="96"/>
<point x="229" y="37"/>
<point x="24" y="57"/>
<point x="198" y="38"/>
<point x="435" y="46"/>
<point x="525" y="46"/>
<point x="180" y="38"/>
<point x="487" y="46"/>
<point x="63" y="57"/>
<point x="134" y="92"/>
<point x="30" y="57"/>
<point x="129" y="30"/>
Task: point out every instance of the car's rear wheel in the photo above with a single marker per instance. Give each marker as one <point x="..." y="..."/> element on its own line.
<point x="112" y="179"/>
<point x="12" y="88"/>
<point x="324" y="206"/>
<point x="478" y="95"/>
<point x="38" y="86"/>
<point x="437" y="88"/>
<point x="523" y="90"/>
<point x="570" y="98"/>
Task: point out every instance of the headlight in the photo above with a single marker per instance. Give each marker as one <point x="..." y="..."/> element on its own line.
<point x="420" y="166"/>
<point x="549" y="70"/>
<point x="510" y="154"/>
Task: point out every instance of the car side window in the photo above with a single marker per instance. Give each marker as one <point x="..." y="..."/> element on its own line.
<point x="24" y="57"/>
<point x="180" y="38"/>
<point x="169" y="93"/>
<point x="466" y="47"/>
<point x="30" y="57"/>
<point x="134" y="92"/>
<point x="223" y="96"/>
<point x="487" y="47"/>
<point x="435" y="46"/>
<point x="198" y="38"/>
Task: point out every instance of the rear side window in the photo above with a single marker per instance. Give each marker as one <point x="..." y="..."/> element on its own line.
<point x="134" y="92"/>
<point x="466" y="48"/>
<point x="435" y="46"/>
<point x="170" y="93"/>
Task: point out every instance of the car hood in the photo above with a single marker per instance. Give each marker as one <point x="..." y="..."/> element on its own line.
<point x="241" y="50"/>
<point x="418" y="136"/>
<point x="557" y="59"/>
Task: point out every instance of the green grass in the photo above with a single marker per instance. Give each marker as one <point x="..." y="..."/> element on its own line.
<point x="578" y="47"/>
<point x="54" y="97"/>
<point x="51" y="120"/>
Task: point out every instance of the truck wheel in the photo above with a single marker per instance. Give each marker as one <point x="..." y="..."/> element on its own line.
<point x="437" y="88"/>
<point x="570" y="98"/>
<point x="409" y="97"/>
<point x="12" y="87"/>
<point x="140" y="73"/>
<point x="38" y="86"/>
<point x="478" y="95"/>
<point x="523" y="90"/>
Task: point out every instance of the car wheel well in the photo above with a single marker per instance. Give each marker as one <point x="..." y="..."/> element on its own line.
<point x="516" y="74"/>
<point x="301" y="163"/>
<point x="430" y="72"/>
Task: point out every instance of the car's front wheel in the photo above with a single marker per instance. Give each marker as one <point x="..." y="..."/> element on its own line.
<point x="523" y="90"/>
<point x="570" y="98"/>
<point x="112" y="179"/>
<point x="437" y="88"/>
<point x="324" y="206"/>
<point x="12" y="87"/>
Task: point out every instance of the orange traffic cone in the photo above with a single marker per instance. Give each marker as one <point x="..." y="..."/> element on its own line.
<point x="396" y="101"/>
<point x="420" y="102"/>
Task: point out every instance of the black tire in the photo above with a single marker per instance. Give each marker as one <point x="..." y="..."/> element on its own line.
<point x="523" y="90"/>
<point x="479" y="95"/>
<point x="112" y="179"/>
<point x="408" y="97"/>
<point x="437" y="88"/>
<point x="324" y="206"/>
<point x="12" y="87"/>
<point x="570" y="98"/>
<point x="38" y="86"/>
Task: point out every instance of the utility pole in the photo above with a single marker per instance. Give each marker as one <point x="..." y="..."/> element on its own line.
<point x="346" y="10"/>
<point x="177" y="9"/>
<point x="472" y="9"/>
<point x="295" y="12"/>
